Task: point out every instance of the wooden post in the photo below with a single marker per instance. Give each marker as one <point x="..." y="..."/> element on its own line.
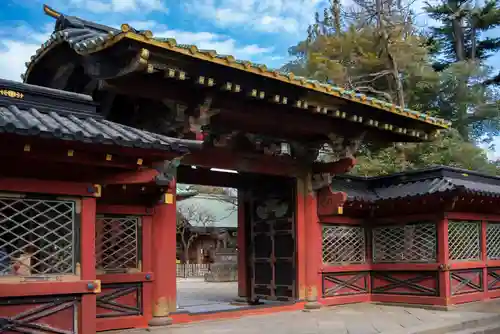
<point x="313" y="246"/>
<point x="443" y="259"/>
<point x="242" y="249"/>
<point x="87" y="265"/>
<point x="484" y="257"/>
<point x="164" y="260"/>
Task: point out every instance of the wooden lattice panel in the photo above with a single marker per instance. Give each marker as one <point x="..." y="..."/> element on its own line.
<point x="493" y="241"/>
<point x="118" y="243"/>
<point x="464" y="240"/>
<point x="37" y="236"/>
<point x="48" y="315"/>
<point x="494" y="278"/>
<point x="466" y="281"/>
<point x="405" y="243"/>
<point x="119" y="299"/>
<point x="345" y="284"/>
<point x="423" y="283"/>
<point x="343" y="244"/>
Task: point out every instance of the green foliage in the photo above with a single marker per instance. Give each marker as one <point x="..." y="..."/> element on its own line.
<point x="470" y="105"/>
<point x="448" y="150"/>
<point x="346" y="51"/>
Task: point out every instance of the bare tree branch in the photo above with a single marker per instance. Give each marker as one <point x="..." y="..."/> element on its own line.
<point x="189" y="216"/>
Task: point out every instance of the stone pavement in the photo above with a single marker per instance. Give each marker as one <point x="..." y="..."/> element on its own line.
<point x="347" y="319"/>
<point x="195" y="295"/>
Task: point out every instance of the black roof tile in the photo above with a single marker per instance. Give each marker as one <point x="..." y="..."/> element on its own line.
<point x="438" y="179"/>
<point x="37" y="111"/>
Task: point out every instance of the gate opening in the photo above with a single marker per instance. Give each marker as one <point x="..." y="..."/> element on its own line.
<point x="236" y="243"/>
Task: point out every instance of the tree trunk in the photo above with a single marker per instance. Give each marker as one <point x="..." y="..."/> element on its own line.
<point x="458" y="36"/>
<point x="384" y="36"/>
<point x="336" y="12"/>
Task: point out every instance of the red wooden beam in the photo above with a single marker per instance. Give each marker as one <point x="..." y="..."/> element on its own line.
<point x="23" y="169"/>
<point x="400" y="219"/>
<point x="135" y="210"/>
<point x="32" y="150"/>
<point x="16" y="144"/>
<point x="244" y="162"/>
<point x="126" y="278"/>
<point x="124" y="322"/>
<point x="408" y="299"/>
<point x="47" y="187"/>
<point x="466" y="265"/>
<point x="48" y="288"/>
<point x="325" y="268"/>
<point x="404" y="266"/>
<point x="341" y="220"/>
<point x="472" y="216"/>
<point x="140" y="176"/>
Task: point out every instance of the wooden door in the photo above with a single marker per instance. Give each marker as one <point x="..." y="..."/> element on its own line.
<point x="272" y="245"/>
<point x="119" y="266"/>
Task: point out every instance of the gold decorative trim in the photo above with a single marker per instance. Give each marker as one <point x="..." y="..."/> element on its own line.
<point x="12" y="94"/>
<point x="50" y="12"/>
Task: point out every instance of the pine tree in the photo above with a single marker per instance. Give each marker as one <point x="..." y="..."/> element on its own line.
<point x="463" y="25"/>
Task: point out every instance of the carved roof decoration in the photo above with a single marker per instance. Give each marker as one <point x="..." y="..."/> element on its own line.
<point x="87" y="38"/>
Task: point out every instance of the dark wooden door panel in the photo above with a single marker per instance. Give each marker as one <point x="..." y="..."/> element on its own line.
<point x="272" y="243"/>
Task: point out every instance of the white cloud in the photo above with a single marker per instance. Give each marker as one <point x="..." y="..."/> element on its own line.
<point x="291" y="16"/>
<point x="220" y="43"/>
<point x="15" y="53"/>
<point x="115" y="6"/>
<point x="207" y="41"/>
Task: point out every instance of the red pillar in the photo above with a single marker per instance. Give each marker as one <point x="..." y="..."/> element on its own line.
<point x="164" y="260"/>
<point x="313" y="249"/>
<point x="443" y="258"/>
<point x="241" y="241"/>
<point x="87" y="266"/>
<point x="484" y="258"/>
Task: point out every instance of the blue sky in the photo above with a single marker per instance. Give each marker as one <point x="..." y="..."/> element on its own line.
<point x="256" y="30"/>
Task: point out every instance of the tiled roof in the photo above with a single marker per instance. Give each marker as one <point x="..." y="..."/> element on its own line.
<point x="417" y="183"/>
<point x="87" y="37"/>
<point x="23" y="113"/>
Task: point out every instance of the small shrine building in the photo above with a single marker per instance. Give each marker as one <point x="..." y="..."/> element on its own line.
<point x="426" y="237"/>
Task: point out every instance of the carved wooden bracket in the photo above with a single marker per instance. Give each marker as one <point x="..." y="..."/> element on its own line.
<point x="167" y="172"/>
<point x="341" y="166"/>
<point x="323" y="172"/>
